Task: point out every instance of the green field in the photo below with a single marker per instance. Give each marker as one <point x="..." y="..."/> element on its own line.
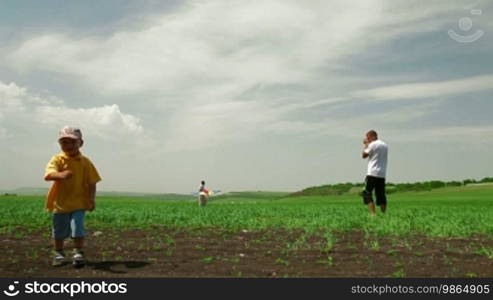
<point x="447" y="212"/>
<point x="445" y="232"/>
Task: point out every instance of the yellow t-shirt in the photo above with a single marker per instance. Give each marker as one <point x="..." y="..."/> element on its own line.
<point x="70" y="194"/>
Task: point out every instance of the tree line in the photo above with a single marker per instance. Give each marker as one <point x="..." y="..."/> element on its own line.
<point x="343" y="188"/>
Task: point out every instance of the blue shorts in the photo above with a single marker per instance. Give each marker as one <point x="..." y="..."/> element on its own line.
<point x="69" y="224"/>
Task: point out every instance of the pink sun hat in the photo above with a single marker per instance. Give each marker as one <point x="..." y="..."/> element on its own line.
<point x="70" y="132"/>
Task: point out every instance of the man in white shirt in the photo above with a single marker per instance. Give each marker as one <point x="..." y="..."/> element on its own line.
<point x="376" y="151"/>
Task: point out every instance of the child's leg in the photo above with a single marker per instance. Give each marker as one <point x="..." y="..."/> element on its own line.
<point x="58" y="244"/>
<point x="61" y="230"/>
<point x="79" y="242"/>
<point x="77" y="226"/>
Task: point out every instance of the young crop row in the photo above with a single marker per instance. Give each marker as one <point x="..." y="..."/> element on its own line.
<point x="452" y="213"/>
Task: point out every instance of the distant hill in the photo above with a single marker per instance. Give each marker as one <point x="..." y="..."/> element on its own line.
<point x="355" y="188"/>
<point x="328" y="189"/>
<point x="41" y="191"/>
<point x="250" y="195"/>
<point x="323" y="190"/>
<point x="26" y="191"/>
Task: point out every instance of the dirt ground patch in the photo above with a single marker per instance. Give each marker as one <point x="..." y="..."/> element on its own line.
<point x="169" y="252"/>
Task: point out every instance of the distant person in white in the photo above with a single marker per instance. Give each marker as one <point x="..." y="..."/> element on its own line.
<point x="203" y="194"/>
<point x="376" y="151"/>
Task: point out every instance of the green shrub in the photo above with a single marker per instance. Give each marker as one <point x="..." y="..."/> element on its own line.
<point x="486" y="179"/>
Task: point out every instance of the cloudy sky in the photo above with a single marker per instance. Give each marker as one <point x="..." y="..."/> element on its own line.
<point x="248" y="95"/>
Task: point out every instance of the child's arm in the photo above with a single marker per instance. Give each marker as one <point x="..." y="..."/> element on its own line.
<point x="59" y="175"/>
<point x="92" y="197"/>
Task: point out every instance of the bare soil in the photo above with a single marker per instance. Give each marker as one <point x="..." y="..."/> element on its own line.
<point x="171" y="252"/>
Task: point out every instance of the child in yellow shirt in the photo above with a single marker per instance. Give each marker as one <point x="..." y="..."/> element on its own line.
<point x="72" y="193"/>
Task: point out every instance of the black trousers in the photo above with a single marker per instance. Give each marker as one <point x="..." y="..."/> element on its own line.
<point x="377" y="184"/>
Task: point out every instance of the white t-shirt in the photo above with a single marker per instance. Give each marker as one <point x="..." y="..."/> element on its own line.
<point x="377" y="159"/>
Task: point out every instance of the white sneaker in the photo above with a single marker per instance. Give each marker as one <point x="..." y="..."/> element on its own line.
<point x="78" y="258"/>
<point x="58" y="258"/>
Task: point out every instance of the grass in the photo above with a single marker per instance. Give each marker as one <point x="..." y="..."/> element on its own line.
<point x="207" y="259"/>
<point x="282" y="261"/>
<point x="446" y="212"/>
<point x="328" y="261"/>
<point x="488" y="252"/>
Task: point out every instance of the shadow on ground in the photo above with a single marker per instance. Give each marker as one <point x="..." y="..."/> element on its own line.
<point x="116" y="267"/>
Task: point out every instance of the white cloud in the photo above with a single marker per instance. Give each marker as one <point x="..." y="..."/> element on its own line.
<point x="483" y="132"/>
<point x="201" y="62"/>
<point x="269" y="41"/>
<point x="105" y="122"/>
<point x="10" y="98"/>
<point x="206" y="54"/>
<point x="428" y="89"/>
<point x="3" y="133"/>
<point x="206" y="125"/>
<point x="468" y="137"/>
<point x="20" y="109"/>
<point x="11" y="90"/>
<point x="28" y="131"/>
